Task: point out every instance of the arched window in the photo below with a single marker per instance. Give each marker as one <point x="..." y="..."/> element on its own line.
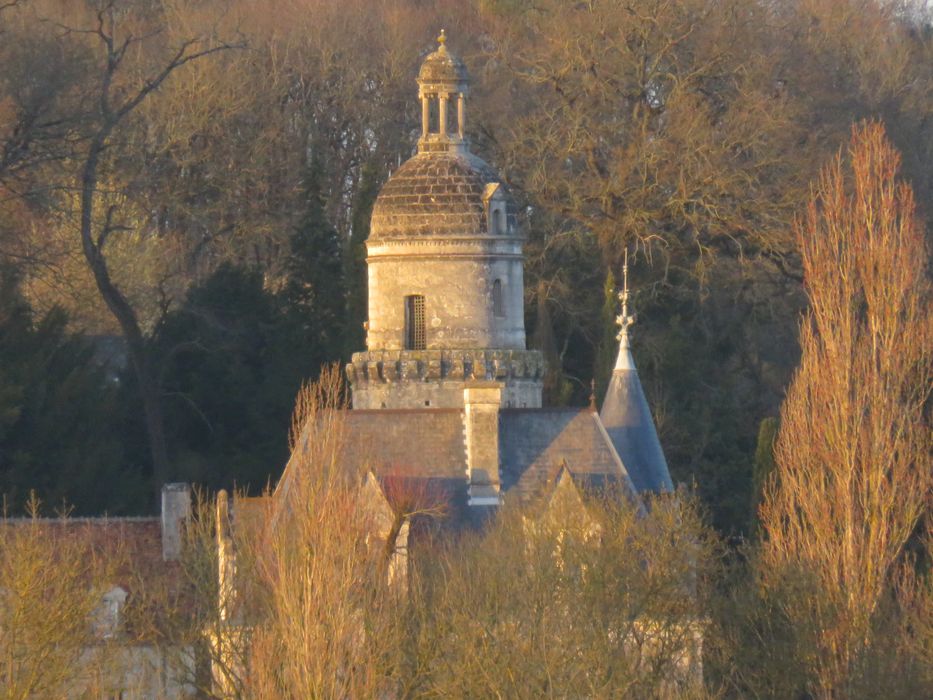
<point x="414" y="322"/>
<point x="498" y="307"/>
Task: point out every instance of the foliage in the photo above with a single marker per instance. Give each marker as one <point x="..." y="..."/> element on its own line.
<point x="225" y="407"/>
<point x="57" y="432"/>
<point x="686" y="131"/>
<point x="763" y="466"/>
<point x="330" y="623"/>
<point x="854" y="471"/>
<point x="233" y="357"/>
<point x="52" y="579"/>
<point x="355" y="273"/>
<point x="314" y="284"/>
<point x="622" y="592"/>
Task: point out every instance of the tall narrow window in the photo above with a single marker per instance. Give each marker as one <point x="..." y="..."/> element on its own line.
<point x="414" y="322"/>
<point x="498" y="308"/>
<point x="497" y="222"/>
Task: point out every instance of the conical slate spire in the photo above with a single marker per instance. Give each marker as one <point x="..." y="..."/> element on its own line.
<point x="626" y="416"/>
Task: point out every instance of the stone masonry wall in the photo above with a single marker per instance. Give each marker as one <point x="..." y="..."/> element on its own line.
<point x="456" y="280"/>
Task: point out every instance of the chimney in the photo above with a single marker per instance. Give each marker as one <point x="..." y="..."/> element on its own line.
<point x="481" y="401"/>
<point x="176" y="509"/>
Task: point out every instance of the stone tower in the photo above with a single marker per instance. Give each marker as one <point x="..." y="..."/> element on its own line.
<point x="444" y="254"/>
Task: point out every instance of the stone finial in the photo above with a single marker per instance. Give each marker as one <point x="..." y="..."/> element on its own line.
<point x="624" y="359"/>
<point x="626" y="319"/>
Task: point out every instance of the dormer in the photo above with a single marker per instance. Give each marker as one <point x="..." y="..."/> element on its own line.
<point x="108" y="613"/>
<point x="497" y="212"/>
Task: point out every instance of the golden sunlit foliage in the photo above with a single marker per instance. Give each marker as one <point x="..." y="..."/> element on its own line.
<point x="854" y="473"/>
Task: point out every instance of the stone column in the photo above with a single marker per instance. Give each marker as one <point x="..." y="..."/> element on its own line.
<point x="461" y="113"/>
<point x="425" y="115"/>
<point x="442" y="114"/>
<point x="481" y="401"/>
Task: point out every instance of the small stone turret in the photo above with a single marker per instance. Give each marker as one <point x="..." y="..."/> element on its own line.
<point x="442" y="79"/>
<point x="446" y="280"/>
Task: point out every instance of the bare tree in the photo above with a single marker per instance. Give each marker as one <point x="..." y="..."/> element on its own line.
<point x="854" y="472"/>
<point x="330" y="623"/>
<point x="586" y="598"/>
<point x="53" y="576"/>
<point x="116" y="99"/>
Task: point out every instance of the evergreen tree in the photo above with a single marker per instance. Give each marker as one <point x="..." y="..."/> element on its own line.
<point x="608" y="344"/>
<point x="314" y="293"/>
<point x="229" y="381"/>
<point x="557" y="389"/>
<point x="355" y="272"/>
<point x="60" y="425"/>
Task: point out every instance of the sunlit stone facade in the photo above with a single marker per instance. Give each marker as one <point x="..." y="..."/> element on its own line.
<point x="446" y="286"/>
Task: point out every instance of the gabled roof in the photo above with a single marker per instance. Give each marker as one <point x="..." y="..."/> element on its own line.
<point x="536" y="443"/>
<point x="428" y="445"/>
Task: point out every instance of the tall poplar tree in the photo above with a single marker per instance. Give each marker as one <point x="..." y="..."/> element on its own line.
<point x="854" y="470"/>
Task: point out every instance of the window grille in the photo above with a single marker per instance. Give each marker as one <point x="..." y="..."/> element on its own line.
<point x="498" y="308"/>
<point x="414" y="322"/>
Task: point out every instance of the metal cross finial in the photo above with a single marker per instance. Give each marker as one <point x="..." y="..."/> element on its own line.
<point x="625" y="320"/>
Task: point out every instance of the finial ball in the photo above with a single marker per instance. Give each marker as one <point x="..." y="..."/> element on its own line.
<point x="442" y="39"/>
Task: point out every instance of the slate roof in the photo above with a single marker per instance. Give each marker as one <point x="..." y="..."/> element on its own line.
<point x="414" y="442"/>
<point x="627" y="419"/>
<point x="435" y="194"/>
<point x="536" y="443"/>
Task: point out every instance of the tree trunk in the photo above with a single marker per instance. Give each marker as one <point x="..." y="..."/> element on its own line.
<point x="122" y="312"/>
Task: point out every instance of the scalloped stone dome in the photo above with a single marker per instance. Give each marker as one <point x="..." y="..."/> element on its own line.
<point x="436" y="194"/>
<point x="441" y="66"/>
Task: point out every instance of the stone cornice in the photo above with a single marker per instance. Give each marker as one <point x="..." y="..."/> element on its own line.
<point x="393" y="366"/>
<point x="504" y="247"/>
<point x="479" y="241"/>
<point x="446" y="256"/>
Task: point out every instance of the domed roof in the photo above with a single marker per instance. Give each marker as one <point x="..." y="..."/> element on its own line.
<point x="442" y="67"/>
<point x="437" y="194"/>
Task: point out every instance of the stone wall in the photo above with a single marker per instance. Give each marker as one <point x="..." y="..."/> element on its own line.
<point x="456" y="278"/>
